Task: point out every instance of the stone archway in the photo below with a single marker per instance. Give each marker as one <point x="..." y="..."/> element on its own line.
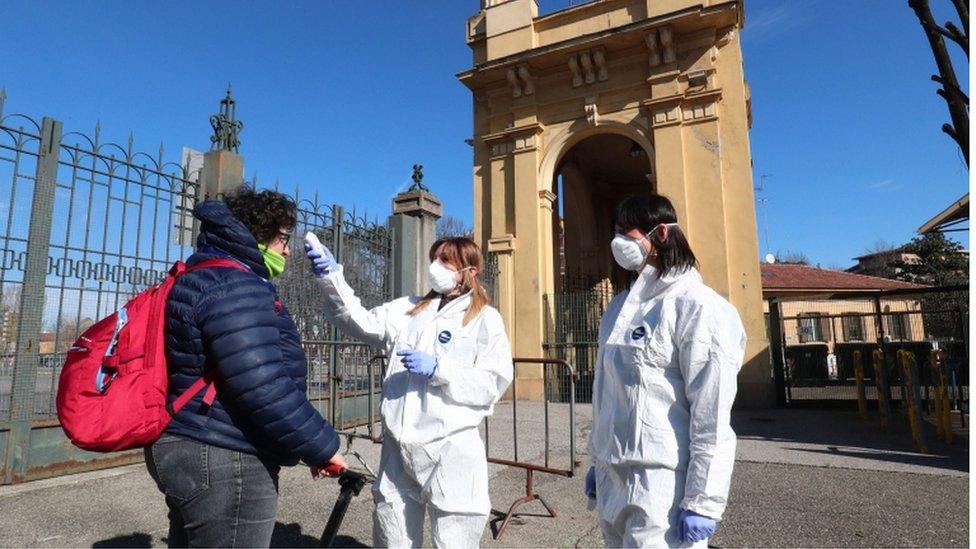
<point x="592" y="177"/>
<point x="556" y="94"/>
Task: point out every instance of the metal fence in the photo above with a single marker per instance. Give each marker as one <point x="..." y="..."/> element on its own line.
<point x="572" y="326"/>
<point x="85" y="224"/>
<point x="344" y="374"/>
<point x="814" y="342"/>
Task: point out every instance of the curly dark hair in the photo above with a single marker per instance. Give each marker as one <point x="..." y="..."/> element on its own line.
<point x="264" y="213"/>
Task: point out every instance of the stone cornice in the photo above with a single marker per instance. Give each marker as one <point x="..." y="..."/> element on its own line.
<point x="511" y="133"/>
<point x="671" y="100"/>
<point x="513" y="140"/>
<point x="504" y="244"/>
<point x="594" y="39"/>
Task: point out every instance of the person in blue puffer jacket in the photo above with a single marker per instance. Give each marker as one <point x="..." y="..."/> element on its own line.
<point x="218" y="465"/>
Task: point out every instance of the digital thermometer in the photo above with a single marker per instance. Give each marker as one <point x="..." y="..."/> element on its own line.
<point x="313" y="243"/>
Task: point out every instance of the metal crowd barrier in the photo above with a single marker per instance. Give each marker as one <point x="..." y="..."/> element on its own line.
<point x="371" y="395"/>
<point x="532" y="468"/>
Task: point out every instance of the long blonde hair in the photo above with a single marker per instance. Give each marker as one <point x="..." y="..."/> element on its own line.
<point x="465" y="253"/>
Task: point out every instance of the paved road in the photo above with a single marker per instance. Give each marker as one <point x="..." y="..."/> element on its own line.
<point x="802" y="478"/>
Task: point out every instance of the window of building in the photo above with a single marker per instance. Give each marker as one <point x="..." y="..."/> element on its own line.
<point x="853" y="326"/>
<point x="813" y="327"/>
<point x="896" y="326"/>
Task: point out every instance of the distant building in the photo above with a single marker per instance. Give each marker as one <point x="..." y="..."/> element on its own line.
<point x="881" y="264"/>
<point x="46" y="343"/>
<point x="815" y="309"/>
<point x="8" y="331"/>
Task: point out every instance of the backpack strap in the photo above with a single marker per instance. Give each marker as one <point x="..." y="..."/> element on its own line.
<point x="208" y="379"/>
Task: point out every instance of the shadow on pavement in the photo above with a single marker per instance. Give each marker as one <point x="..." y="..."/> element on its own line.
<point x="290" y="535"/>
<point x="845" y="434"/>
<point x="929" y="460"/>
<point x="137" y="539"/>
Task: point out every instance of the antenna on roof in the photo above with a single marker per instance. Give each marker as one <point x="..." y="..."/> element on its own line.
<point x="770" y="258"/>
<point x="763" y="201"/>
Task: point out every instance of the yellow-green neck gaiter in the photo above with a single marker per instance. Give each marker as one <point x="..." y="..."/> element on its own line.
<point x="274" y="261"/>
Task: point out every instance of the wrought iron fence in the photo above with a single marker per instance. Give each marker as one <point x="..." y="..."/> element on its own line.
<point x="101" y="219"/>
<point x="85" y="224"/>
<point x="339" y="381"/>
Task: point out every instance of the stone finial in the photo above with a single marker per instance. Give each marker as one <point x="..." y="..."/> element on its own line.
<point x="418" y="179"/>
<point x="226" y="126"/>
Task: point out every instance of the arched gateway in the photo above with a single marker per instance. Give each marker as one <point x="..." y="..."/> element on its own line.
<point x="577" y="109"/>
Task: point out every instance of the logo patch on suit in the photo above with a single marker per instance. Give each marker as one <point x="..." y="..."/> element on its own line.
<point x="444" y="336"/>
<point x="638" y="333"/>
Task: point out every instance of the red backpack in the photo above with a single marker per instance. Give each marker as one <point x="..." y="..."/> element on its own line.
<point x="113" y="387"/>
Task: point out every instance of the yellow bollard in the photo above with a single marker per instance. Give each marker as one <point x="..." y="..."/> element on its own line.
<point x="862" y="399"/>
<point x="881" y="385"/>
<point x="912" y="398"/>
<point x="943" y="408"/>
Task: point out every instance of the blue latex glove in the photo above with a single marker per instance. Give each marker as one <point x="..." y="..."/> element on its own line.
<point x="693" y="527"/>
<point x="418" y="362"/>
<point x="589" y="485"/>
<point x="323" y="264"/>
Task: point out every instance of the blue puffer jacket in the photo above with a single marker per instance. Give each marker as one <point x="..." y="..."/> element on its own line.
<point x="226" y="320"/>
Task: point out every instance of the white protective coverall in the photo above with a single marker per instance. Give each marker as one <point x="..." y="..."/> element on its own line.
<point x="670" y="351"/>
<point x="432" y="456"/>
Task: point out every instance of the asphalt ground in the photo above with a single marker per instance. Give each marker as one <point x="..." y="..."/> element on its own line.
<point x="803" y="478"/>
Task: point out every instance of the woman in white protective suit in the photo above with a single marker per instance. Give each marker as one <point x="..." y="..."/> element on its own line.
<point x="661" y="449"/>
<point x="452" y="363"/>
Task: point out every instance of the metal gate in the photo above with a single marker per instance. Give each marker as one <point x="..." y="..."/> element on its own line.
<point x="816" y="341"/>
<point x="572" y="327"/>
<point x="85" y="224"/>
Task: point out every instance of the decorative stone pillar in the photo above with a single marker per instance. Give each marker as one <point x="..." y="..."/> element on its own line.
<point x="414" y="224"/>
<point x="223" y="166"/>
<point x="223" y="172"/>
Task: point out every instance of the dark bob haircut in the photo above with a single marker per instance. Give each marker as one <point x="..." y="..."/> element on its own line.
<point x="264" y="213"/>
<point x="645" y="213"/>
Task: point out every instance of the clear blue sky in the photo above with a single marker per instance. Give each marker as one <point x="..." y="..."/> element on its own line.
<point x="343" y="98"/>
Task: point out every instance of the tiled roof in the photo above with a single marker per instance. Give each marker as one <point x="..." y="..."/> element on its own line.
<point x="779" y="276"/>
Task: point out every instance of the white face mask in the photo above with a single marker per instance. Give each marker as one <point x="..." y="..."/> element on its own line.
<point x="441" y="278"/>
<point x="628" y="252"/>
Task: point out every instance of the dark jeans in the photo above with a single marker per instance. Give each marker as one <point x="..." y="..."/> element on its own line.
<point x="216" y="497"/>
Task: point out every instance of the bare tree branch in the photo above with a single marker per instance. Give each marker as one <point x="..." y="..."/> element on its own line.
<point x="957" y="36"/>
<point x="962" y="8"/>
<point x="951" y="92"/>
